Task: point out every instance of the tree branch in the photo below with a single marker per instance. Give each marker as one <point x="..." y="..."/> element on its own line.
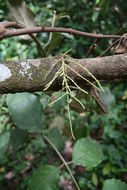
<point x="17" y="32"/>
<point x="33" y="74"/>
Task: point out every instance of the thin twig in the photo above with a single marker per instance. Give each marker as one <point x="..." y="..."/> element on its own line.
<point x="61" y="157"/>
<point x="39" y="45"/>
<point x="62" y="165"/>
<point x="53" y="24"/>
<point x="92" y="47"/>
<point x="8" y="24"/>
<point x="31" y="30"/>
<point x="105" y="51"/>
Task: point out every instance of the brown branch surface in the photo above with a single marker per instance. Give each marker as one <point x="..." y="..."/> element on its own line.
<point x="33" y="74"/>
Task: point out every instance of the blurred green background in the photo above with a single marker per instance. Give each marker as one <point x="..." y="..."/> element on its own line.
<point x="20" y="150"/>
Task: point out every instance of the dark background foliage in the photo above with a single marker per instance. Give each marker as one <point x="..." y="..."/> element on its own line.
<point x="24" y="154"/>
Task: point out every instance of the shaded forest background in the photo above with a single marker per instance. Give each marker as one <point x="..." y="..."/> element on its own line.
<point x="22" y="157"/>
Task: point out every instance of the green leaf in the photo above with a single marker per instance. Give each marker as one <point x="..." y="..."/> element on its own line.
<point x="60" y="104"/>
<point x="107" y="97"/>
<point x="67" y="35"/>
<point x="4" y="139"/>
<point x="18" y="138"/>
<point x="87" y="152"/>
<point x="105" y="7"/>
<point x="55" y="137"/>
<point x="125" y="96"/>
<point x="44" y="178"/>
<point x="53" y="43"/>
<point x="95" y="16"/>
<point x="97" y="1"/>
<point x="94" y="179"/>
<point x="58" y="122"/>
<point x="21" y="14"/>
<point x="106" y="169"/>
<point x="26" y="111"/>
<point x="114" y="184"/>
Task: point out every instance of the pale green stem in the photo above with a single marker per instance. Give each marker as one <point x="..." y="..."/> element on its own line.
<point x="54" y="78"/>
<point x="76" y="85"/>
<point x="57" y="99"/>
<point x="85" y="69"/>
<point x="83" y="77"/>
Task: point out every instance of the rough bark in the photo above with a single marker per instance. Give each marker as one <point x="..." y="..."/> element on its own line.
<point x="33" y="74"/>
